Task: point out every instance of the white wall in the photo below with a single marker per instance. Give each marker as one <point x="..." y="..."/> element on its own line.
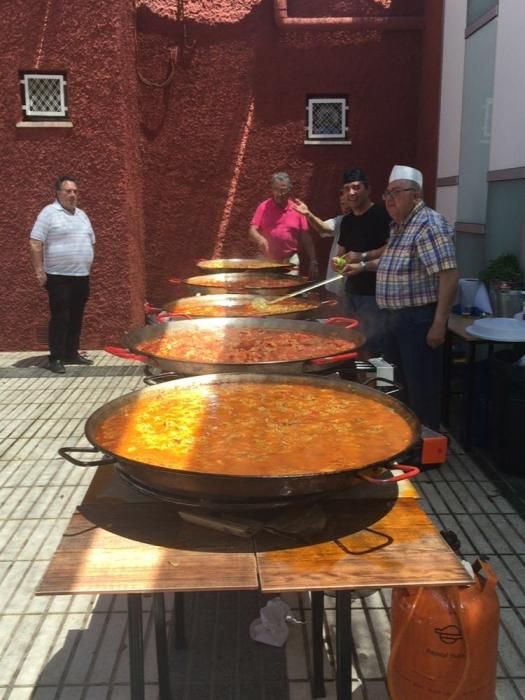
<point x="507" y="146"/>
<point x="447" y="203"/>
<point x="452" y="87"/>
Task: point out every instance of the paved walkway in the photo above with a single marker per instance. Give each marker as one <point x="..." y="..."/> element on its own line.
<point x="75" y="648"/>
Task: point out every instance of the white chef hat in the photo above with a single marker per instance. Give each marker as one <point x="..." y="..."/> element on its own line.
<point x="405" y="172"/>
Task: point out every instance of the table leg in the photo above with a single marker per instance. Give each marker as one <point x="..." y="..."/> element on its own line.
<point x="136" y="646"/>
<point x="343" y="644"/>
<point x="159" y="613"/>
<point x="469" y="396"/>
<point x="318" y="689"/>
<point x="447" y="378"/>
<point x="180" y="630"/>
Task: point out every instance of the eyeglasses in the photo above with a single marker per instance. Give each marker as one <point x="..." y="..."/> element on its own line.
<point x="393" y="193"/>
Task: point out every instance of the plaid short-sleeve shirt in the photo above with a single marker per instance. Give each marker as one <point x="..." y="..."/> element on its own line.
<point x="417" y="250"/>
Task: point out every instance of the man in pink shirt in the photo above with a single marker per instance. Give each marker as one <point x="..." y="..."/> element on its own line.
<point x="279" y="231"/>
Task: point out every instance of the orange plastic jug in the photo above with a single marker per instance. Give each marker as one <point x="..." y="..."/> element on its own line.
<point x="444" y="640"/>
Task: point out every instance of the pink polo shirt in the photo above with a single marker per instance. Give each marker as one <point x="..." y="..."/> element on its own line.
<point x="281" y="228"/>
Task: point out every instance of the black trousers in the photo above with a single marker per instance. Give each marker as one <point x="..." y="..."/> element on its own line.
<point x="67" y="298"/>
<point x="418" y="367"/>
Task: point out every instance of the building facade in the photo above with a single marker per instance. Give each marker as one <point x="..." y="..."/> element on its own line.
<point x="481" y="162"/>
<point x="174" y="115"/>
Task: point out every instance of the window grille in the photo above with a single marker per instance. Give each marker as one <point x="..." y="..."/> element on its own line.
<point x="44" y="95"/>
<point x="326" y="118"/>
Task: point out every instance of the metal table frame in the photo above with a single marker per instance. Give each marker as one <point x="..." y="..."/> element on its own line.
<point x="456" y="328"/>
<point x="136" y="647"/>
<point x="258" y="565"/>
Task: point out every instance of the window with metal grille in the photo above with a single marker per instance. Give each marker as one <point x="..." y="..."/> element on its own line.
<point x="44" y="96"/>
<point x="326" y="119"/>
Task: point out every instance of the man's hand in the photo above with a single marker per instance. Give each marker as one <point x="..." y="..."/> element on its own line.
<point x="353" y="257"/>
<point x="352" y="269"/>
<point x="42" y="278"/>
<point x="262" y="246"/>
<point x="259" y="240"/>
<point x="448" y="284"/>
<point x="436" y="334"/>
<point x="36" y="248"/>
<point x="300" y="207"/>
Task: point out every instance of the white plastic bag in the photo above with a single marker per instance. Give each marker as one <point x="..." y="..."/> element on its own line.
<point x="271" y="628"/>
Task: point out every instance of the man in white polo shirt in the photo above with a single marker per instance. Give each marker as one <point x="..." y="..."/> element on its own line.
<point x="62" y="250"/>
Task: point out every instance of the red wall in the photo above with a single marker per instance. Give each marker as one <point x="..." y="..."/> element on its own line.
<point x="102" y="150"/>
<point x="209" y="141"/>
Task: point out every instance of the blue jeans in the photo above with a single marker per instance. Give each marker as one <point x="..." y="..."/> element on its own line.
<point x="371" y="320"/>
<point x="418" y="367"/>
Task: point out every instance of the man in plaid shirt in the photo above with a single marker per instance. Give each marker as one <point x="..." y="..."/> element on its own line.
<point x="416" y="284"/>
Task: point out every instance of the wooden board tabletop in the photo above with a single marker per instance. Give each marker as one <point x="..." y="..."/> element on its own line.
<point x="365" y="544"/>
<point x="119" y="541"/>
<point x="457" y="324"/>
<point x="145" y="548"/>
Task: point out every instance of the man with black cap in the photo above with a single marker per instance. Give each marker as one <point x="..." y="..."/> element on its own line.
<point x="417" y="280"/>
<point x="364" y="233"/>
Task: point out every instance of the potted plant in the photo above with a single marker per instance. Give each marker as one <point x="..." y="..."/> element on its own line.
<point x="503" y="269"/>
<point x="501" y="276"/>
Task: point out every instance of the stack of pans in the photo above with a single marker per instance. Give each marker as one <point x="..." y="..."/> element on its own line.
<point x="212" y="353"/>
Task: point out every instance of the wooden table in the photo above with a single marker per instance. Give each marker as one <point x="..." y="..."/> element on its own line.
<point x="121" y="542"/>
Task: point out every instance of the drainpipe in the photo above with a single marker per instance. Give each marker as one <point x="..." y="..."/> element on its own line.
<point x="353" y="24"/>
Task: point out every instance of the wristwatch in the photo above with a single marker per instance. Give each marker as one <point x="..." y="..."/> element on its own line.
<point x="364" y="256"/>
<point x="363" y="265"/>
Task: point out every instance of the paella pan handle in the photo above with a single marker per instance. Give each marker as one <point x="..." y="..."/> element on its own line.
<point x="342" y="321"/>
<point x="165" y="316"/>
<point x="153" y="379"/>
<point x="125" y="354"/>
<point x="333" y="359"/>
<point x="408" y="473"/>
<point x="65" y="453"/>
<point x="149" y="309"/>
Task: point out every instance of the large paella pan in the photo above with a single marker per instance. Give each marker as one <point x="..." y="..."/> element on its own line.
<point x="267" y="283"/>
<point x="206" y="346"/>
<point x="242" y="265"/>
<point x="250" y="440"/>
<point x="244" y="306"/>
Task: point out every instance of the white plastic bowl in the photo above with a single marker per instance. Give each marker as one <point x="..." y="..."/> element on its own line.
<point x="503" y="330"/>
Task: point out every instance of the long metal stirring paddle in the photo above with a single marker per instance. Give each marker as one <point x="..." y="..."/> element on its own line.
<point x="304" y="289"/>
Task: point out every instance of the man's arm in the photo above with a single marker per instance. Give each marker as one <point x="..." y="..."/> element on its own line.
<point x="353" y="257"/>
<point x="448" y="285"/>
<point x="259" y="240"/>
<point x="322" y="227"/>
<point x="361" y="262"/>
<point x="307" y="244"/>
<point x="37" y="258"/>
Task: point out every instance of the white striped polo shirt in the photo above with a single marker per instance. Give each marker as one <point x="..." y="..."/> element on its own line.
<point x="68" y="240"/>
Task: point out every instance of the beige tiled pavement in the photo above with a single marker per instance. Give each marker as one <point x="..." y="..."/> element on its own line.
<point x="75" y="647"/>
